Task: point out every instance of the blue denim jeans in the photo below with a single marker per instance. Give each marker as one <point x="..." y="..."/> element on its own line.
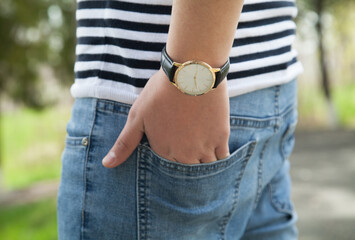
<point x="245" y="196"/>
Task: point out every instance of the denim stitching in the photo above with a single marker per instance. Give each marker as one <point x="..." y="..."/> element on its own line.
<point x="285" y="208"/>
<point x="287" y="138"/>
<point x="74" y="142"/>
<point x="114" y="112"/>
<point x="141" y="208"/>
<point x="227" y="217"/>
<point x="113" y="107"/>
<point x="202" y="170"/>
<point x="143" y="191"/>
<point x="279" y="120"/>
<point x="85" y="172"/>
<point x="249" y="122"/>
<point x="138" y="193"/>
<point x="286" y="114"/>
<point x="260" y="173"/>
<point x="277" y="107"/>
<point x="259" y="191"/>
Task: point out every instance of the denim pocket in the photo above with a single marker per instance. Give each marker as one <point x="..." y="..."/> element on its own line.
<point x="73" y="161"/>
<point x="280" y="191"/>
<point x="288" y="140"/>
<point x="180" y="201"/>
<point x="181" y="170"/>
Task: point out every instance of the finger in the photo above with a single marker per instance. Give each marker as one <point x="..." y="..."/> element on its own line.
<point x="125" y="144"/>
<point x="208" y="159"/>
<point x="222" y="152"/>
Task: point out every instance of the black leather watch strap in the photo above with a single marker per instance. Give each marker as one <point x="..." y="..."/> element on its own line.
<point x="167" y="65"/>
<point x="220" y="75"/>
<point x="170" y="69"/>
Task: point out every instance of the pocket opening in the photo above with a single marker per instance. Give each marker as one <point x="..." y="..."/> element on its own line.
<point x="196" y="170"/>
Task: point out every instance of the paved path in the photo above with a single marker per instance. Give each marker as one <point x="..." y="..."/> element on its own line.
<point x="34" y="193"/>
<point x="323" y="172"/>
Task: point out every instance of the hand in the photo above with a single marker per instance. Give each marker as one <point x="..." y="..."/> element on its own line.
<point x="179" y="127"/>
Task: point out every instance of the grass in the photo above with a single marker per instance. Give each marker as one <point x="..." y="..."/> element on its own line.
<point x="314" y="112"/>
<point x="28" y="222"/>
<point x="31" y="145"/>
<point x="344" y="98"/>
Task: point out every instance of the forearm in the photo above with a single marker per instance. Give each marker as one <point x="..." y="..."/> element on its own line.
<point x="203" y="30"/>
<point x="180" y="127"/>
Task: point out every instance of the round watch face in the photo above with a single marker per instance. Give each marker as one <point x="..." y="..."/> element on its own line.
<point x="194" y="78"/>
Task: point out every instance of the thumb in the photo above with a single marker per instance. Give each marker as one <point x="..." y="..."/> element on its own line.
<point x="125" y="144"/>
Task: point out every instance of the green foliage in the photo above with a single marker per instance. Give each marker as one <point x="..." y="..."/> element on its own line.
<point x="329" y="5"/>
<point x="313" y="111"/>
<point x="28" y="222"/>
<point x="35" y="33"/>
<point x="32" y="142"/>
<point x="344" y="98"/>
<point x="332" y="23"/>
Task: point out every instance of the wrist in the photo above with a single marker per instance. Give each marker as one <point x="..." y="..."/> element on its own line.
<point x="165" y="87"/>
<point x="193" y="77"/>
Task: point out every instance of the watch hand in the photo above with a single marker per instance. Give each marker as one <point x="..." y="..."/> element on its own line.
<point x="195" y="77"/>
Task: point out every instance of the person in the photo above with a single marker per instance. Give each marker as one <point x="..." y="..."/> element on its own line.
<point x="162" y="143"/>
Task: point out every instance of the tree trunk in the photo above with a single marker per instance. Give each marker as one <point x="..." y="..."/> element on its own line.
<point x="333" y="119"/>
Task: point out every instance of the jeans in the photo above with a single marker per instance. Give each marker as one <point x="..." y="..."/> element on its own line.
<point x="245" y="196"/>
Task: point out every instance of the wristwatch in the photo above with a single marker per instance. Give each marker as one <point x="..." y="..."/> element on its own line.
<point x="193" y="77"/>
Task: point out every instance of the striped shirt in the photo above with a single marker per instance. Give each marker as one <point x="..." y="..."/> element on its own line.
<point x="119" y="46"/>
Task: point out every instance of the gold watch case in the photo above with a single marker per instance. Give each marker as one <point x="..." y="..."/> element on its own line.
<point x="181" y="66"/>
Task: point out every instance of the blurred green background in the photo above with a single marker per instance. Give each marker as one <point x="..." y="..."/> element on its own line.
<point x="37" y="53"/>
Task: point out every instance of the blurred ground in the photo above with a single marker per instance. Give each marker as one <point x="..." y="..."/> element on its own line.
<point x="323" y="172"/>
